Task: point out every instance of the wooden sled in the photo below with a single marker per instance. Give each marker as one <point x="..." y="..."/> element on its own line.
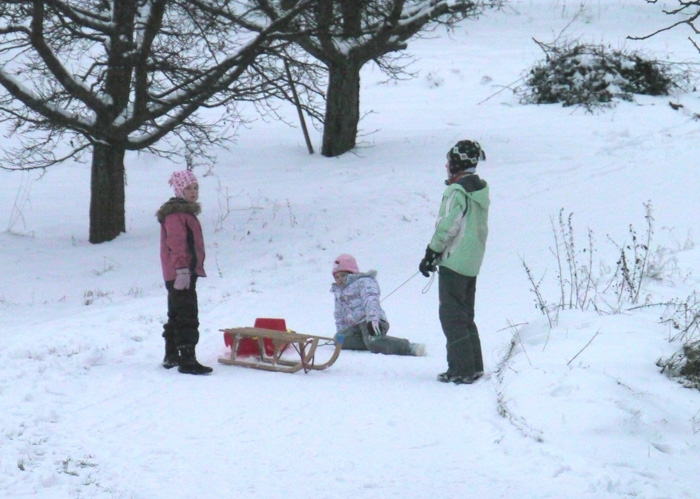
<point x="304" y="345"/>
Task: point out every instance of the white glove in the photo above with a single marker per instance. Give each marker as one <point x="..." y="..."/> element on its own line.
<point x="375" y="327"/>
<point x="182" y="279"/>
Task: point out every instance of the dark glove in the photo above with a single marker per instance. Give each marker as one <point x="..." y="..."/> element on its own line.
<point x="429" y="262"/>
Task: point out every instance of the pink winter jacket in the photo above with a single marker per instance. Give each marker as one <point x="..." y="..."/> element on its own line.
<point x="181" y="239"/>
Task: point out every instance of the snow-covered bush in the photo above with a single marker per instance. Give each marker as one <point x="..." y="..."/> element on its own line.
<point x="593" y="75"/>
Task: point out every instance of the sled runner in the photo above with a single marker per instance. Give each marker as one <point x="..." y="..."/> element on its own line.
<point x="302" y="345"/>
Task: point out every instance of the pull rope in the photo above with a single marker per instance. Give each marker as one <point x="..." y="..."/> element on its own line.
<point x="399" y="287"/>
<point x="430" y="283"/>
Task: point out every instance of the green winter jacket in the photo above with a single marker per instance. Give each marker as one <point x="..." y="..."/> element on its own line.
<point x="462" y="225"/>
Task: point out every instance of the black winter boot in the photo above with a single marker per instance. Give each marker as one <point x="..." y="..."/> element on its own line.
<point x="172" y="357"/>
<point x="188" y="362"/>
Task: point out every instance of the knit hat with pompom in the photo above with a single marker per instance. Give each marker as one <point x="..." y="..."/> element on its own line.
<point x="180" y="180"/>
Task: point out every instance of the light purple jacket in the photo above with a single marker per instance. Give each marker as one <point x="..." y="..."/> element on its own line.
<point x="358" y="301"/>
<point x="181" y="239"/>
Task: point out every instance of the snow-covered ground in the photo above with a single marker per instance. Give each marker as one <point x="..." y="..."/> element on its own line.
<point x="578" y="410"/>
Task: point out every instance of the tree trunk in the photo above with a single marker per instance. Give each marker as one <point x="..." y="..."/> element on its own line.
<point x="342" y="108"/>
<point x="107" y="219"/>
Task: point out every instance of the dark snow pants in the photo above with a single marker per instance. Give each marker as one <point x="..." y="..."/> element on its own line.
<point x="358" y="337"/>
<point x="182" y="327"/>
<point x="457" y="294"/>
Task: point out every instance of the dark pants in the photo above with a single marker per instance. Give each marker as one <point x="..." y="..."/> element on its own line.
<point x="457" y="294"/>
<point x="359" y="338"/>
<point x="182" y="327"/>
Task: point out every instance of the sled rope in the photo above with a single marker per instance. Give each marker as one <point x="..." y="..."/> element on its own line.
<point x="399" y="287"/>
<point x="430" y="283"/>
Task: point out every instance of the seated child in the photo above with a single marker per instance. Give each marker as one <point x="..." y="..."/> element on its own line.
<point x="360" y="322"/>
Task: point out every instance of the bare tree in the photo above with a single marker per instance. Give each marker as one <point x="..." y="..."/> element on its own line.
<point x="104" y="77"/>
<point x="346" y="34"/>
<point x="687" y="12"/>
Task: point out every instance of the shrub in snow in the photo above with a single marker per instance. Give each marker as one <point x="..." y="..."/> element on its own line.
<point x="691" y="368"/>
<point x="684" y="365"/>
<point x="684" y="318"/>
<point x="593" y="75"/>
<point x="579" y="288"/>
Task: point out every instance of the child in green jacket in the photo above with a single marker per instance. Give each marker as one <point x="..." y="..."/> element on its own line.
<point x="457" y="247"/>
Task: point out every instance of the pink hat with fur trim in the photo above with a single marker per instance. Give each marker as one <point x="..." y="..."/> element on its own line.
<point x="180" y="180"/>
<point x="345" y="263"/>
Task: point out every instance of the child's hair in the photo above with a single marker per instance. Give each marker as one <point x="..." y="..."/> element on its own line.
<point x="345" y="263"/>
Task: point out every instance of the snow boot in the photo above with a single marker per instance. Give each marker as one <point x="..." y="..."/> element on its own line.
<point x="463" y="380"/>
<point x="172" y="357"/>
<point x="459" y="380"/>
<point x="417" y="349"/>
<point x="188" y="362"/>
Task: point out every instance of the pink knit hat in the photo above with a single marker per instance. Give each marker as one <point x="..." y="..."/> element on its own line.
<point x="345" y="263"/>
<point x="180" y="180"/>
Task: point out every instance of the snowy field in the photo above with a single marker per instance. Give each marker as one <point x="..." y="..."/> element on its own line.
<point x="579" y="410"/>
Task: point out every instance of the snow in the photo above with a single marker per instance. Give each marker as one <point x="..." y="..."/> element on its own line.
<point x="577" y="410"/>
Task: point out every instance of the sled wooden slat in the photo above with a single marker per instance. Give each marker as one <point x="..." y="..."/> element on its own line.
<point x="304" y="345"/>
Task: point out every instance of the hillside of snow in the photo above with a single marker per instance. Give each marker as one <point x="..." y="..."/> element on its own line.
<point x="579" y="409"/>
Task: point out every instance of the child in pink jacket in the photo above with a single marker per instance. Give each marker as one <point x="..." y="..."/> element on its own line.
<point x="182" y="260"/>
<point x="360" y="321"/>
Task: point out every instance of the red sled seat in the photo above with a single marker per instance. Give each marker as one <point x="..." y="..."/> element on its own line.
<point x="249" y="346"/>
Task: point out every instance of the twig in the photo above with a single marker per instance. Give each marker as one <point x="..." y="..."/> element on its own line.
<point x="502" y="404"/>
<point x="541" y="303"/>
<point x="511" y="326"/>
<point x="557" y="254"/>
<point x="585" y="346"/>
<point x="517" y="333"/>
<point x="297" y="104"/>
<point x="501" y="90"/>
